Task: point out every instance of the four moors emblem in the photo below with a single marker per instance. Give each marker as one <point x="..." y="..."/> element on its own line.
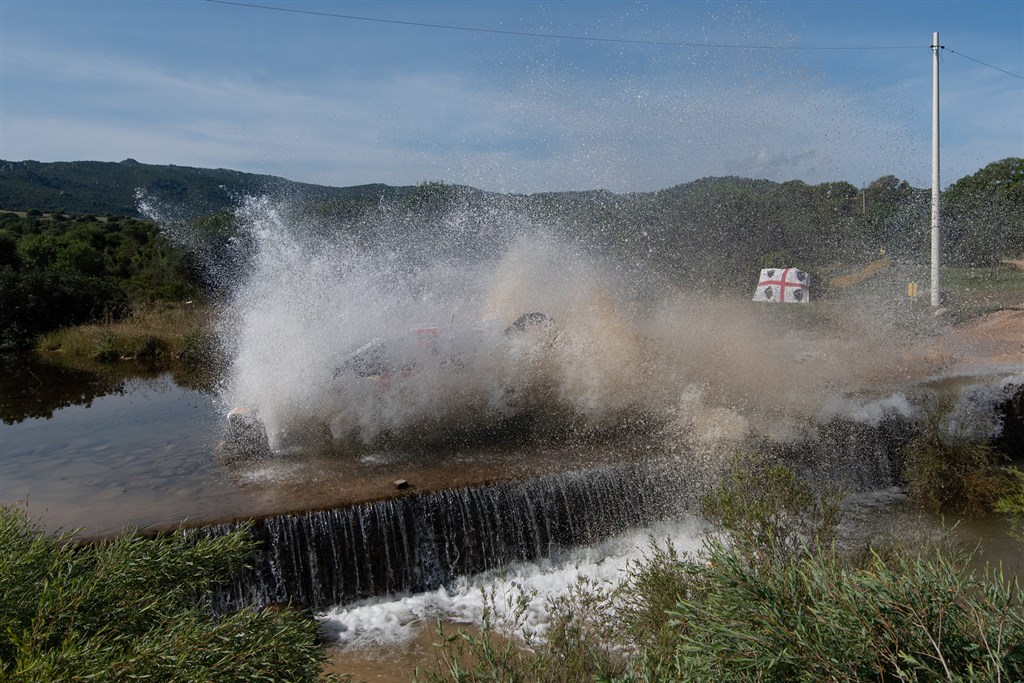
<point x="784" y="285"/>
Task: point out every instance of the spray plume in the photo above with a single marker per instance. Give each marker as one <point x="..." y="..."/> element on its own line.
<point x="429" y="295"/>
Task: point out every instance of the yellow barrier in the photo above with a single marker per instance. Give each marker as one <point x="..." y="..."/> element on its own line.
<point x="861" y="275"/>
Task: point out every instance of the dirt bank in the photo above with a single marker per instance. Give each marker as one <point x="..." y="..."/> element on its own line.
<point x="996" y="339"/>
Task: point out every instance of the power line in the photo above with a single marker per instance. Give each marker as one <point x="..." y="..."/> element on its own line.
<point x="560" y="36"/>
<point x="628" y="41"/>
<point x="961" y="54"/>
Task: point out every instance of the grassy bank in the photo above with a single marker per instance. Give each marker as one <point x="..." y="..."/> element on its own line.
<point x="978" y="291"/>
<point x="966" y="292"/>
<point x="165" y="332"/>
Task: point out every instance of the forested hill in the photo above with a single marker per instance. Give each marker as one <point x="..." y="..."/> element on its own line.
<point x="73" y="247"/>
<point x="109" y="188"/>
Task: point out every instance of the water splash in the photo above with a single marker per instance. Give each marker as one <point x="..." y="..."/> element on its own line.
<point x="433" y="291"/>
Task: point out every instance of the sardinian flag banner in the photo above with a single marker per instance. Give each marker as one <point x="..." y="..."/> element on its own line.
<point x="785" y="285"/>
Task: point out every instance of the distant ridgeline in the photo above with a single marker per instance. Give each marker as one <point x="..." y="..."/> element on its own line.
<point x="108" y="188"/>
<point x="70" y="230"/>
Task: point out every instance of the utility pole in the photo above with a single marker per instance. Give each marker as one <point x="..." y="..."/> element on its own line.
<point x="936" y="244"/>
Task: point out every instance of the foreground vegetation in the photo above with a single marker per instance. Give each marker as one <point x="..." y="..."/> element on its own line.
<point x="134" y="609"/>
<point x="948" y="470"/>
<point x="768" y="599"/>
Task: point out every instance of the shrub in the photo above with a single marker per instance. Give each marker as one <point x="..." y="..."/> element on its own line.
<point x="36" y="301"/>
<point x="57" y="273"/>
<point x="772" y="598"/>
<point x="918" y="615"/>
<point x="151" y="347"/>
<point x="768" y="514"/>
<point x="197" y="348"/>
<point x="949" y="470"/>
<point x="106" y="349"/>
<point x="133" y="608"/>
<point x="1012" y="501"/>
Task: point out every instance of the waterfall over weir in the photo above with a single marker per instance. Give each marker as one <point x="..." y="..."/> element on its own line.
<point x="420" y="541"/>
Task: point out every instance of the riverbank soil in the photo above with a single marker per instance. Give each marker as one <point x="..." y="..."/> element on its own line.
<point x="395" y="662"/>
<point x="993" y="339"/>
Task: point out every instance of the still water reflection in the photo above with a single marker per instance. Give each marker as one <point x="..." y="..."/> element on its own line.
<point x="89" y="450"/>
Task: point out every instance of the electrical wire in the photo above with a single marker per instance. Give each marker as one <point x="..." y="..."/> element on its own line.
<point x="560" y="36"/>
<point x="961" y="54"/>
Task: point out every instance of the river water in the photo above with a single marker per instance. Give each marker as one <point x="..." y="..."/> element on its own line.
<point x="82" y="451"/>
<point x="100" y="452"/>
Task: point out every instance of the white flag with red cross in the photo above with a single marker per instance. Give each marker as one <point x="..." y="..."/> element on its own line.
<point x="784" y="285"/>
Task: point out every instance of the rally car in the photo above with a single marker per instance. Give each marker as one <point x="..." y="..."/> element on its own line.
<point x="389" y="367"/>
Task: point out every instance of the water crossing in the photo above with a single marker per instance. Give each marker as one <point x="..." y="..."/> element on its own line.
<point x="420" y="541"/>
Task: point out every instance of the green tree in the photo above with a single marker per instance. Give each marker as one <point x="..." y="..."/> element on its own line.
<point x="8" y="249"/>
<point x="984" y="214"/>
<point x="79" y="257"/>
<point x="38" y="252"/>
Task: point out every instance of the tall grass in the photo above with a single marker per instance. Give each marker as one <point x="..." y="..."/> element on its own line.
<point x="133" y="609"/>
<point x="769" y="598"/>
<point x="1011" y="503"/>
<point x="163" y="332"/>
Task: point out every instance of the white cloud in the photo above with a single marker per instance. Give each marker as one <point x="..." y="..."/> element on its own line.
<point x="546" y="132"/>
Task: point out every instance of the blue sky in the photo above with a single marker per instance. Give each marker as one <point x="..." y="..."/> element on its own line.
<point x="339" y="101"/>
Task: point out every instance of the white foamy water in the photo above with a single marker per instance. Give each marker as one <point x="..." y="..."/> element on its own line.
<point x="391" y="620"/>
<point x="867" y="411"/>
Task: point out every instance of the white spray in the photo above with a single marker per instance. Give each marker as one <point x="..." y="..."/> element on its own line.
<point x="674" y="363"/>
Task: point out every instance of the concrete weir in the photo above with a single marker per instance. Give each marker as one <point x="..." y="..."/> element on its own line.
<point x="418" y="541"/>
